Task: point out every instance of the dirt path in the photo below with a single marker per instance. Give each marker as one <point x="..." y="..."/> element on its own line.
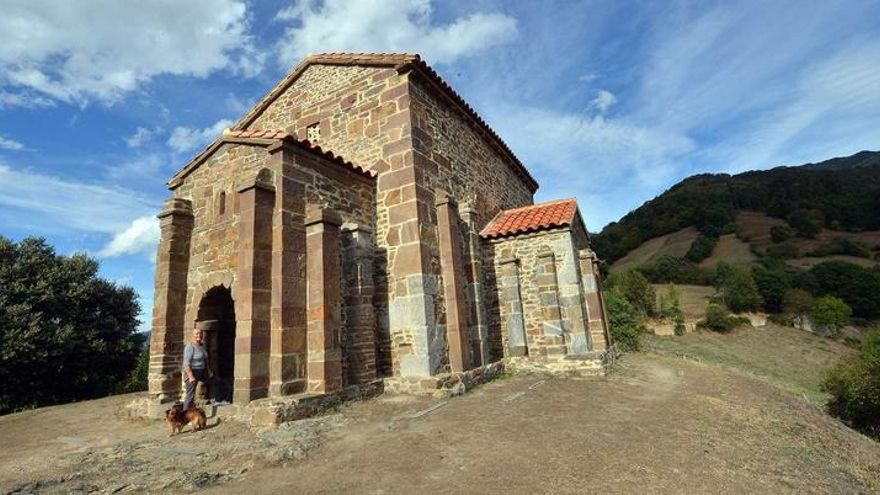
<point x="659" y="424"/>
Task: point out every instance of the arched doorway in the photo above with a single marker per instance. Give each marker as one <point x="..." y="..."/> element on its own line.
<point x="217" y="318"/>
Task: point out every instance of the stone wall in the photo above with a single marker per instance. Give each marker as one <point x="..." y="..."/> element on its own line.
<point x="247" y="234"/>
<point x="537" y="296"/>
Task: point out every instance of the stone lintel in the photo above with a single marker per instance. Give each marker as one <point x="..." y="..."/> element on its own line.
<point x="586" y="254"/>
<point x="256" y="184"/>
<point x="443" y="198"/>
<point x="176" y="206"/>
<point x="545" y="254"/>
<point x="330" y="217"/>
<point x="505" y="261"/>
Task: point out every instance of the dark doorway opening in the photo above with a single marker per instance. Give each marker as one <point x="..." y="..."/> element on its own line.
<point x="217" y="318"/>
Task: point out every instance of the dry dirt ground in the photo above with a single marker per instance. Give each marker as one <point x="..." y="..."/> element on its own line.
<point x="659" y="424"/>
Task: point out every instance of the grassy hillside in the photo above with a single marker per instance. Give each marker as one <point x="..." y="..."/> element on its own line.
<point x="752" y="241"/>
<point x="840" y="195"/>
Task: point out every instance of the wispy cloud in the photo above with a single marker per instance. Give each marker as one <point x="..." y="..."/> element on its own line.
<point x="185" y="139"/>
<point x="389" y="25"/>
<point x="10" y="144"/>
<point x="53" y="204"/>
<point x="140" y="136"/>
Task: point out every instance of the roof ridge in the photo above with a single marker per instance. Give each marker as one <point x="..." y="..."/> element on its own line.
<point x="402" y="62"/>
<point x="262" y="137"/>
<point x="532" y="218"/>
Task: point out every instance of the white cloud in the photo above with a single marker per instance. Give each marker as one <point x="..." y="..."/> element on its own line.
<point x="388" y="25"/>
<point x="140" y="136"/>
<point x="100" y="50"/>
<point x="9" y="144"/>
<point x="603" y="100"/>
<point x="185" y="139"/>
<point x="142" y="236"/>
<point x="23" y="100"/>
<point x="43" y="203"/>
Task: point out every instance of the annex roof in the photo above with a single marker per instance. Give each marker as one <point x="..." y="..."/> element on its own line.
<point x="261" y="138"/>
<point x="531" y="218"/>
<point x="401" y="62"/>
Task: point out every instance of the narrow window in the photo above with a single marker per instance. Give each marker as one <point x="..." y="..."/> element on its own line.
<point x="313" y="132"/>
<point x="221" y="203"/>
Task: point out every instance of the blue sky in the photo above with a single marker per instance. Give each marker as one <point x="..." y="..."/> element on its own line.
<point x="609" y="101"/>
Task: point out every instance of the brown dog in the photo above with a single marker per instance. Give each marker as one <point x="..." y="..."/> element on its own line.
<point x="177" y="418"/>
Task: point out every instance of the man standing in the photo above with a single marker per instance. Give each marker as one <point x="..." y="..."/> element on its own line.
<point x="195" y="366"/>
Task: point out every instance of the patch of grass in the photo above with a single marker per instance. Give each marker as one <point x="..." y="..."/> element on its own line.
<point x="790" y="359"/>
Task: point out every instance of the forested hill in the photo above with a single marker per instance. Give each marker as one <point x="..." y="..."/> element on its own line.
<point x="839" y="194"/>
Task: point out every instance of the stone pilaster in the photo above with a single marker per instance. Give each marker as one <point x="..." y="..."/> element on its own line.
<point x="453" y="282"/>
<point x="360" y="316"/>
<point x="288" y="351"/>
<point x="552" y="325"/>
<point x="590" y="280"/>
<point x="324" y="301"/>
<point x="511" y="308"/>
<point x="477" y="317"/>
<point x="169" y="304"/>
<point x="253" y="290"/>
<point x="571" y="301"/>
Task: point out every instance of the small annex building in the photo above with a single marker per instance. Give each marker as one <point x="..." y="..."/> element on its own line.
<point x="419" y="253"/>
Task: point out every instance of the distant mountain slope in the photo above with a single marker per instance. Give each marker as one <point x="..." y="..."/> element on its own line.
<point x="841" y="194"/>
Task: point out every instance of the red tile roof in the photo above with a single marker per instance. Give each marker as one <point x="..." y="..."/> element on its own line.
<point x="260" y="137"/>
<point x="531" y="218"/>
<point x="402" y="62"/>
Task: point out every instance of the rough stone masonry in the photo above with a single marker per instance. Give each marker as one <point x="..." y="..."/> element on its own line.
<point x="418" y="254"/>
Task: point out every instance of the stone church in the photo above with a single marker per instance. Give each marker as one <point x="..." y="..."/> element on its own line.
<point x="363" y="222"/>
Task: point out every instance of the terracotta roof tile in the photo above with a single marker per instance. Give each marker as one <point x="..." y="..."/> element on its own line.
<point x="531" y="218"/>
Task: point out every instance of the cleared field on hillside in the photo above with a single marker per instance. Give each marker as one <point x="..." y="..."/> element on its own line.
<point x="730" y="249"/>
<point x="755" y="227"/>
<point x="674" y="244"/>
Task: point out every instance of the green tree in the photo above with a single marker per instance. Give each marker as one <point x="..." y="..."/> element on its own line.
<point x="858" y="287"/>
<point x="781" y="233"/>
<point x="807" y="223"/>
<point x="854" y="387"/>
<point x="738" y="289"/>
<point x="636" y="289"/>
<point x="701" y="248"/>
<point x="772" y="281"/>
<point x="624" y="321"/>
<point x="65" y="333"/>
<point x="797" y="304"/>
<point x="830" y="314"/>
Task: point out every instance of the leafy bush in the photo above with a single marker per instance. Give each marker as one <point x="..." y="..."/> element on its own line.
<point x="797" y="304"/>
<point x="624" y="321"/>
<point x="669" y="269"/>
<point x="807" y="223"/>
<point x="636" y="289"/>
<point x="670" y="308"/>
<point x="854" y="386"/>
<point x="701" y="248"/>
<point x="781" y="233"/>
<point x="784" y="251"/>
<point x="719" y="319"/>
<point x="65" y="333"/>
<point x="840" y="245"/>
<point x="137" y="379"/>
<point x="830" y="314"/>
